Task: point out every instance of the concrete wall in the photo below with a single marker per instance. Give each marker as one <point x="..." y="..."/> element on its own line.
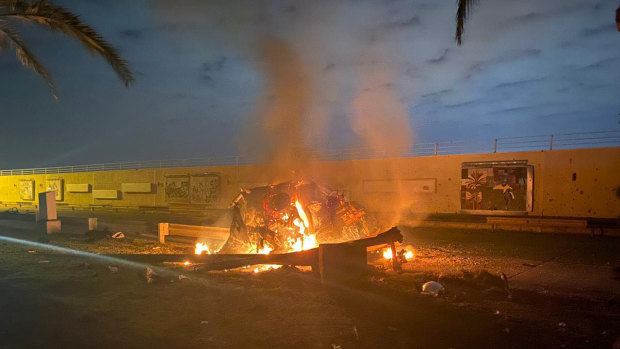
<point x="593" y="193"/>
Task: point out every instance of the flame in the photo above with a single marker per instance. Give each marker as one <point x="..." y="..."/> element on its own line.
<point x="186" y="263"/>
<point x="303" y="242"/>
<point x="266" y="249"/>
<point x="201" y="247"/>
<point x="387" y="253"/>
<point x="264" y="267"/>
<point x="302" y="213"/>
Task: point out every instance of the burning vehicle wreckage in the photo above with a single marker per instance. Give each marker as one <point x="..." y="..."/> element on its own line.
<point x="297" y="224"/>
<point x="292" y="217"/>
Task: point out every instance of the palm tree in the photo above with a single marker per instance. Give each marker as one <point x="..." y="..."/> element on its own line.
<point x="54" y="18"/>
<point x="463" y="11"/>
<point x="618" y="18"/>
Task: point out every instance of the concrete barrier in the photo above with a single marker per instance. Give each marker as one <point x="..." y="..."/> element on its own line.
<point x="201" y="232"/>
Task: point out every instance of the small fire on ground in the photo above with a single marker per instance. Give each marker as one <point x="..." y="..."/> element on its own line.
<point x="408" y="254"/>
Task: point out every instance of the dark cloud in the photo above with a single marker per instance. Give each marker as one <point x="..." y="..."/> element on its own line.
<point x="132" y="33"/>
<point x="606" y="28"/>
<point x="461" y="104"/>
<point x="513" y="55"/>
<point x="402" y="23"/>
<point x="604" y="63"/>
<point x="528" y="18"/>
<point x="519" y="83"/>
<point x="200" y="78"/>
<point x="438" y="94"/>
<point x="215" y="65"/>
<point x="440" y="59"/>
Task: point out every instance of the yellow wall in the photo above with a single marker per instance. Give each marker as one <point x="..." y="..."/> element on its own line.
<point x="592" y="194"/>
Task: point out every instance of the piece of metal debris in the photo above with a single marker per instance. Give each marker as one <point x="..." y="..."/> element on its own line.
<point x="113" y="268"/>
<point x="433" y="288"/>
<point x="149" y="275"/>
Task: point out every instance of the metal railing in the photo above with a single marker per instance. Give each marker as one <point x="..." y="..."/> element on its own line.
<point x="506" y="144"/>
<point x="558" y="141"/>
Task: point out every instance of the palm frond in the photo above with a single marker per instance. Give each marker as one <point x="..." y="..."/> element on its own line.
<point x="463" y="11"/>
<point x="9" y="36"/>
<point x="618" y="18"/>
<point x="58" y="18"/>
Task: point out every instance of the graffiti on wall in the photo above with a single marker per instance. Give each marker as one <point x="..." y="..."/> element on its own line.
<point x="177" y="189"/>
<point x="55" y="185"/>
<point x="26" y="189"/>
<point x="193" y="189"/>
<point x="205" y="189"/>
<point x="495" y="188"/>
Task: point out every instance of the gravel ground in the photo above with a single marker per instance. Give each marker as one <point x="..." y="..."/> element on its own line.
<point x="53" y="300"/>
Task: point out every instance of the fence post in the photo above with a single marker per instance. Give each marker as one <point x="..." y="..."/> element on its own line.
<point x="435" y="148"/>
<point x="163" y="231"/>
<point x="551" y="143"/>
<point x="495" y="145"/>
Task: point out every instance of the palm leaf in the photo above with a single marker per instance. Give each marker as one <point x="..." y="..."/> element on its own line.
<point x="618" y="18"/>
<point x="58" y="18"/>
<point x="463" y="11"/>
<point x="9" y="36"/>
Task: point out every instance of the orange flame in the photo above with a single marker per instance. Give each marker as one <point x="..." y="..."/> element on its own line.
<point x="305" y="241"/>
<point x="387" y="254"/>
<point x="201" y="247"/>
<point x="265" y="250"/>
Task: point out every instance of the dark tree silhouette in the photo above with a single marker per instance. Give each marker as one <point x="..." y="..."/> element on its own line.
<point x="463" y="11"/>
<point x="54" y="18"/>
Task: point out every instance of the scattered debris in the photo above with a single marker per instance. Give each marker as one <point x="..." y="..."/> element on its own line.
<point x="44" y="261"/>
<point x="334" y="346"/>
<point x="204" y="322"/>
<point x="433" y="288"/>
<point x="507" y="330"/>
<point x="96" y="235"/>
<point x="113" y="268"/>
<point x="497" y="312"/>
<point x="150" y="274"/>
<point x="378" y="280"/>
<point x="118" y="235"/>
<point x="562" y="326"/>
<point x="32" y="251"/>
<point x="84" y="265"/>
<point x="183" y="277"/>
<point x="355" y="333"/>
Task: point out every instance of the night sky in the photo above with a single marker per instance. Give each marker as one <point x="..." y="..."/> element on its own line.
<point x="526" y="67"/>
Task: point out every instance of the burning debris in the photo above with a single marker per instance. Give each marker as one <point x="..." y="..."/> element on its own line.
<point x="292" y="217"/>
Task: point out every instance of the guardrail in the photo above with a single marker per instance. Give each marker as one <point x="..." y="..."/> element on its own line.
<point x="558" y="141"/>
<point x="505" y="144"/>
